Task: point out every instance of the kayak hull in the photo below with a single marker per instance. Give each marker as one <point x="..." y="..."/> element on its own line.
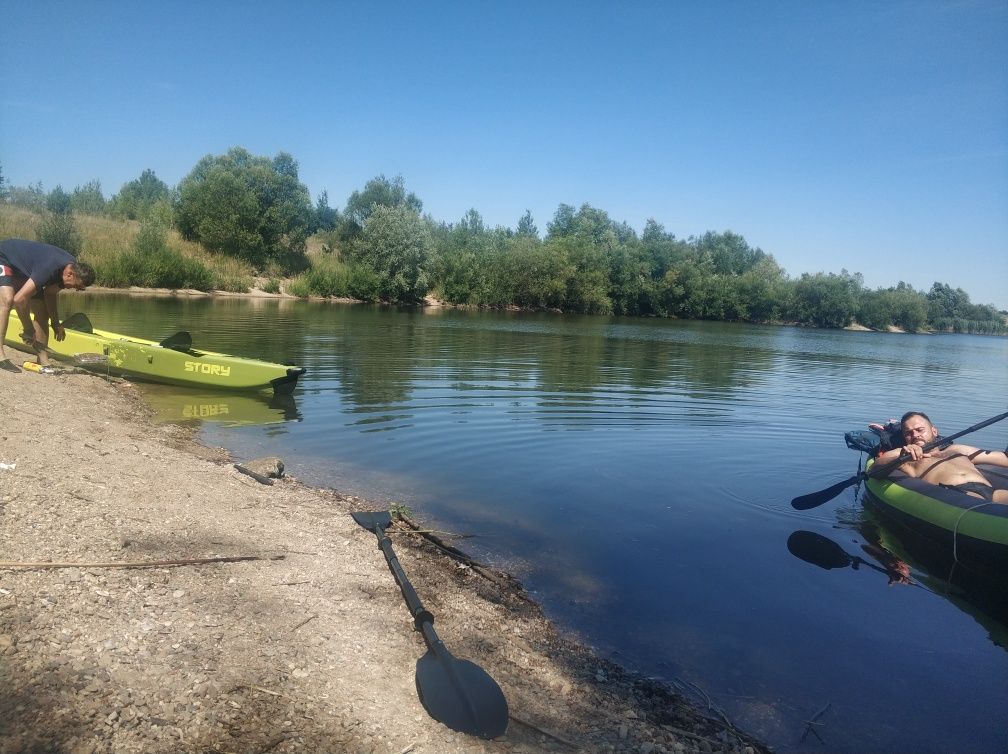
<point x="146" y="360"/>
<point x="972" y="530"/>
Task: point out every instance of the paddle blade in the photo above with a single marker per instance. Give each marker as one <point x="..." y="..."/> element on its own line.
<point x="818" y="550"/>
<point x="371" y="519"/>
<point x="180" y="341"/>
<point x="78" y="322"/>
<point x="804" y="502"/>
<point x="461" y="695"/>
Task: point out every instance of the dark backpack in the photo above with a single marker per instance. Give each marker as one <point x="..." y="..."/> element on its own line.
<point x="874" y="441"/>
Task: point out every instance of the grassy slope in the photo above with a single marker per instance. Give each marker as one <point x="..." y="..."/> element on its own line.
<point x="104" y="238"/>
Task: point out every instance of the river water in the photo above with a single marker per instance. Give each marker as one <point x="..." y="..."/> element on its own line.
<point x="636" y="475"/>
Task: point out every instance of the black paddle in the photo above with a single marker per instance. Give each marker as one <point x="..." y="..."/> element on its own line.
<point x="78" y="322"/>
<point x="824" y="552"/>
<point x="818" y="550"/>
<point x="815" y="499"/>
<point x="454" y="692"/>
<point x="180" y="341"/>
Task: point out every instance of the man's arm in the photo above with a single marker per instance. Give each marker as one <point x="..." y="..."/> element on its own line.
<point x="888" y="456"/>
<point x="976" y="455"/>
<point x="51" y="293"/>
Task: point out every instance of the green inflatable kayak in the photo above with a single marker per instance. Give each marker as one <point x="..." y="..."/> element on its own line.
<point x="972" y="530"/>
<point x="173" y="361"/>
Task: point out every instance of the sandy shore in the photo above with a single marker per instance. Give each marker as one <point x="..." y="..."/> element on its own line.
<point x="309" y="648"/>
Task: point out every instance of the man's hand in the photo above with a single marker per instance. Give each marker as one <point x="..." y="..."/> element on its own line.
<point x="28" y="338"/>
<point x="916" y="452"/>
<point x="60" y="332"/>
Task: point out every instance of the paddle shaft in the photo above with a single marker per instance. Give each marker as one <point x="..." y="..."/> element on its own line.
<point x="420" y="614"/>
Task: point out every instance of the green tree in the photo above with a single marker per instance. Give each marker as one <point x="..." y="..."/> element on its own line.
<point x="56" y="225"/>
<point x="631" y="285"/>
<point x="588" y="225"/>
<point x="527" y="226"/>
<point x="29" y="197"/>
<point x="536" y="273"/>
<point x="909" y="307"/>
<point x="728" y="252"/>
<point x="662" y="249"/>
<point x="396" y="245"/>
<point x="469" y="263"/>
<point x="378" y="192"/>
<point x="325" y="218"/>
<point x="827" y="300"/>
<point x="58" y="201"/>
<point x="250" y="207"/>
<point x="88" y="198"/>
<point x="875" y="310"/>
<point x="946" y="305"/>
<point x="587" y="275"/>
<point x="138" y="198"/>
<point x="563" y="223"/>
<point x="764" y="288"/>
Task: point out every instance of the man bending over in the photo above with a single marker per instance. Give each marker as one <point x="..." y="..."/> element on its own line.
<point x="31" y="275"/>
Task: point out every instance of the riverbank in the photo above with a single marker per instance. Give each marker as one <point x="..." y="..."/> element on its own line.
<point x="307" y="648"/>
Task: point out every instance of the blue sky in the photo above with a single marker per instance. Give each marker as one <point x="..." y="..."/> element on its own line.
<point x="867" y="136"/>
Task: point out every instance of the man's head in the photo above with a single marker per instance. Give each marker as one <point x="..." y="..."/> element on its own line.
<point x="78" y="275"/>
<point x="917" y="428"/>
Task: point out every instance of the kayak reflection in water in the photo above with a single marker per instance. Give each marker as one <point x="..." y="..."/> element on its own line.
<point x="897" y="570"/>
<point x="824" y="552"/>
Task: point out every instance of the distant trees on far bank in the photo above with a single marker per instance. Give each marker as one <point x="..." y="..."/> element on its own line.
<point x="380" y="247"/>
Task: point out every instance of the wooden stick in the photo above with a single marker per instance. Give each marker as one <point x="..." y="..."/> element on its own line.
<point x="689" y="734"/>
<point x="310" y="617"/>
<point x="434" y="531"/>
<point x="503" y="581"/>
<point x="141" y="563"/>
<point x="255" y="475"/>
<point x="545" y="732"/>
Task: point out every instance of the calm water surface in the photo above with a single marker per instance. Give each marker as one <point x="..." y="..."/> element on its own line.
<point x="637" y="476"/>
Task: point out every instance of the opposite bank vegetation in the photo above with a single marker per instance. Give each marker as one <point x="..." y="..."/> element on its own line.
<point x="237" y="217"/>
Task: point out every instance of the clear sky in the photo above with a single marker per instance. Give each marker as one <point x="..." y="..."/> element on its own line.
<point x="867" y="136"/>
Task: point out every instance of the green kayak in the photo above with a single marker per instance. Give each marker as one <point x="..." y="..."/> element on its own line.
<point x="974" y="530"/>
<point x="173" y="361"/>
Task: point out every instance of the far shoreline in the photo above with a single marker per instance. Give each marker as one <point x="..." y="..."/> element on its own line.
<point x="429" y="302"/>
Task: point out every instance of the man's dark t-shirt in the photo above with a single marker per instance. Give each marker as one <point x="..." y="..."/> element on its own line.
<point x="32" y="259"/>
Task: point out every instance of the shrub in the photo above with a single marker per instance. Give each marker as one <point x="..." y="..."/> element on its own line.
<point x="57" y="226"/>
<point x="396" y="246"/>
<point x="150" y="263"/>
<point x="250" y="207"/>
<point x="326" y="277"/>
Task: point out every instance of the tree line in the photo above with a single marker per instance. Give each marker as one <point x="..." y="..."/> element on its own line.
<point x="381" y="247"/>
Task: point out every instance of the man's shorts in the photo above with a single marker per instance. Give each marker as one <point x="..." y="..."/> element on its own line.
<point x="10" y="278"/>
<point x="6" y="275"/>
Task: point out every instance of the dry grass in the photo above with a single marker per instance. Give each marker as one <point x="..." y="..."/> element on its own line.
<point x="16" y="222"/>
<point x="105" y="239"/>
